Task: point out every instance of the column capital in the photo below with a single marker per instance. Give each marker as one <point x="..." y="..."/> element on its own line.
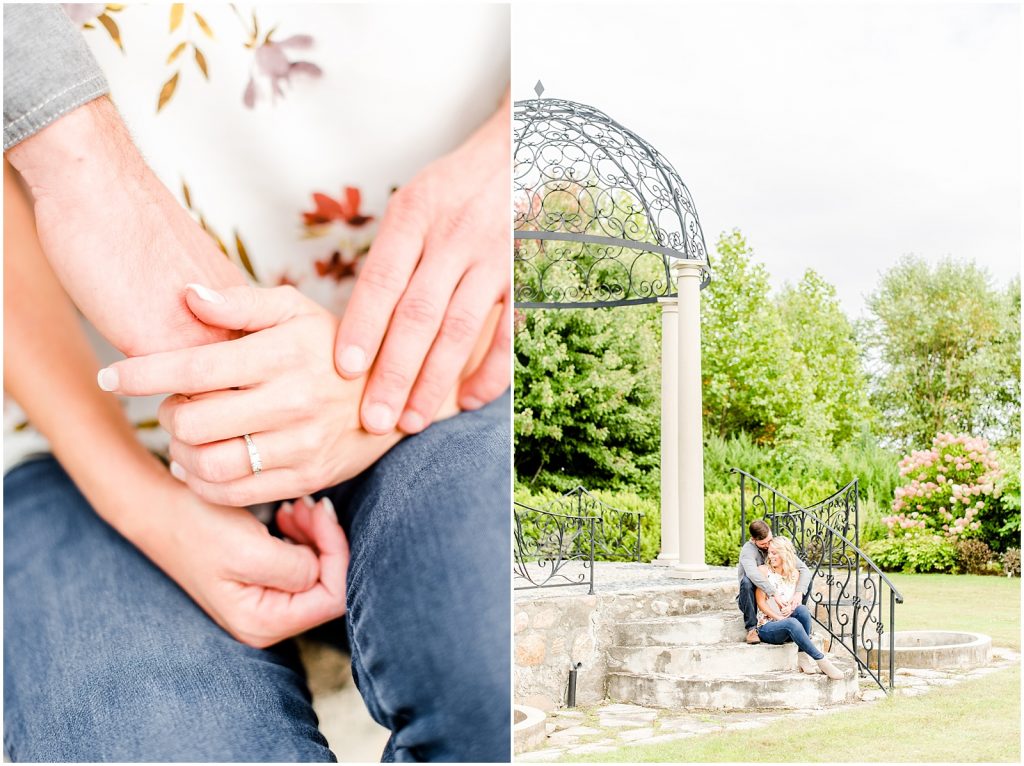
<point x="689" y="267"/>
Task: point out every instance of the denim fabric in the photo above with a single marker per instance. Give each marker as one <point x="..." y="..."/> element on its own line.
<point x="48" y="69"/>
<point x="106" y="659"/>
<point x="796" y="628"/>
<point x="747" y="603"/>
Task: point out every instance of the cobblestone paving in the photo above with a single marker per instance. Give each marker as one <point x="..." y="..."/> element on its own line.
<point x="606" y="727"/>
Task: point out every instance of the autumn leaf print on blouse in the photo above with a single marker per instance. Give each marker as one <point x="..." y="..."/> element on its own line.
<point x="343" y="226"/>
<point x="271" y="62"/>
<point x="345" y="209"/>
<point x="84" y="14"/>
<point x="189" y="24"/>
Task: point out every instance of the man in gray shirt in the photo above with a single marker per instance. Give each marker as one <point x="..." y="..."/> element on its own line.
<point x="752" y="555"/>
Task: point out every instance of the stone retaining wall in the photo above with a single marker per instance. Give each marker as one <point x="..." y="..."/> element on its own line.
<point x="555" y="631"/>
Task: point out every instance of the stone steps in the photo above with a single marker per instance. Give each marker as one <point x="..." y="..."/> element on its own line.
<point x="775" y="690"/>
<point x="709" y="627"/>
<point x="704" y="661"/>
<point x="698" y="658"/>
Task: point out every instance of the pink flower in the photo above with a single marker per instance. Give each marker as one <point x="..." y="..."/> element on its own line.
<point x="271" y="62"/>
<point x="82" y="13"/>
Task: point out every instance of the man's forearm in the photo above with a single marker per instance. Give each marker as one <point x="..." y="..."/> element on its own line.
<point x="50" y="371"/>
<point x="119" y="243"/>
<point x="805" y="578"/>
<point x="754" y="575"/>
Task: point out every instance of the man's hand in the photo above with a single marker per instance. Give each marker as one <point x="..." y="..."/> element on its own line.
<point x="437" y="268"/>
<point x="118" y="241"/>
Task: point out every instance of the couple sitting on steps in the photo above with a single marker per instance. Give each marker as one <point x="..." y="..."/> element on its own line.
<point x="773" y="587"/>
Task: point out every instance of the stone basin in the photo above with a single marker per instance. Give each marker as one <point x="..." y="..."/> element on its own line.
<point x="527" y="728"/>
<point x="937" y="649"/>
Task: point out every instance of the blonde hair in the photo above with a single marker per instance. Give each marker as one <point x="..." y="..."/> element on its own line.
<point x="787" y="556"/>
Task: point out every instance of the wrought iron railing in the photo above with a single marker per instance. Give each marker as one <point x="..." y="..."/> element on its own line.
<point x="850" y="597"/>
<point x="576" y="527"/>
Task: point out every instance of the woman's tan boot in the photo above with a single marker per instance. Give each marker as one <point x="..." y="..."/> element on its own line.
<point x="830" y="670"/>
<point x="806" y="664"/>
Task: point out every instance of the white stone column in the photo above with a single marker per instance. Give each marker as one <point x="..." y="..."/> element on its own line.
<point x="690" y="414"/>
<point x="669" y="432"/>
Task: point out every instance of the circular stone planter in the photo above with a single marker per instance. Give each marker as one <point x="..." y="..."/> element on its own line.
<point x="527" y="728"/>
<point x="937" y="649"/>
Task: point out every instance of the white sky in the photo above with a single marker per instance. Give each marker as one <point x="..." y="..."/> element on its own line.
<point x="836" y="137"/>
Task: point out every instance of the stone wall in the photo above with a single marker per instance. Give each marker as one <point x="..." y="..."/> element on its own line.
<point x="555" y="631"/>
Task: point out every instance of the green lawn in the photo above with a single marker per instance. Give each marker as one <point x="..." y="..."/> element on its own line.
<point x="988" y="605"/>
<point x="974" y="721"/>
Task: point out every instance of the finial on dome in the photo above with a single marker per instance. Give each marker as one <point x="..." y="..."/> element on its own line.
<point x="539" y="89"/>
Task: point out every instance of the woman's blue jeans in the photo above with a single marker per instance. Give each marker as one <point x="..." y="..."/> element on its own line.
<point x="796" y="628"/>
<point x="106" y="659"/>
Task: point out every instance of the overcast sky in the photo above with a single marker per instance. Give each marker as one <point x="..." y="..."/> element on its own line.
<point x="836" y="137"/>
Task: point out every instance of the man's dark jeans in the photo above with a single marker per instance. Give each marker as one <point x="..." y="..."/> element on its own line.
<point x="748" y="604"/>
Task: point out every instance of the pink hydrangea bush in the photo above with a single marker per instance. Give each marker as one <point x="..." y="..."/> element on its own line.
<point x="948" y="486"/>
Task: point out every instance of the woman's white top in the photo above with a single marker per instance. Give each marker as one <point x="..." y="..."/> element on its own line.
<point x="256" y="109"/>
<point x="784" y="589"/>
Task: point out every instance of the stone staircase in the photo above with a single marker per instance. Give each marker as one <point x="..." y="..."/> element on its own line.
<point x="698" y="659"/>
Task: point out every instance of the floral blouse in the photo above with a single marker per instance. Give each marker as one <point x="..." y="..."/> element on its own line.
<point x="284" y="128"/>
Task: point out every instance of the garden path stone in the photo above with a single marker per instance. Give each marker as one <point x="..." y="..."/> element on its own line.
<point x="635" y="734"/>
<point x="604" y="746"/>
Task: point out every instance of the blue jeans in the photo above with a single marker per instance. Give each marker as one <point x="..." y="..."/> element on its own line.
<point x="106" y="659"/>
<point x="747" y="603"/>
<point x="796" y="628"/>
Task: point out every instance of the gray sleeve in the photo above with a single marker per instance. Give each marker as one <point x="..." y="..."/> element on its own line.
<point x="749" y="563"/>
<point x="48" y="69"/>
<point x="805" y="577"/>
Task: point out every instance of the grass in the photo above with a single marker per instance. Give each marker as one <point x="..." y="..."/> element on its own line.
<point x="989" y="605"/>
<point x="974" y="721"/>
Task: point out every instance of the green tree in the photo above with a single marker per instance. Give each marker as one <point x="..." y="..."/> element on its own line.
<point x="825" y="342"/>
<point x="587" y="396"/>
<point x="944" y="346"/>
<point x="754" y="382"/>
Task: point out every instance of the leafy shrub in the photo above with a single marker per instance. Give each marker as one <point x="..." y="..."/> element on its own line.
<point x="913" y="553"/>
<point x="948" y="487"/>
<point x="1011" y="562"/>
<point x="972" y="556"/>
<point x="721" y="528"/>
<point x="650" y="522"/>
<point x="1000" y="521"/>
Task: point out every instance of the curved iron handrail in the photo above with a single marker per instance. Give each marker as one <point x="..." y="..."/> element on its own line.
<point x="850" y="607"/>
<point x="557" y="546"/>
<point x="589" y="529"/>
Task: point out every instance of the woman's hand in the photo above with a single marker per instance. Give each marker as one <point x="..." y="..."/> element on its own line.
<point x="302" y="417"/>
<point x="257" y="587"/>
<point x="437" y="269"/>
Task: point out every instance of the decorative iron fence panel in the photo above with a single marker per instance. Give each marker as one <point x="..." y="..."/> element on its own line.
<point x="850" y="597"/>
<point x="576" y="527"/>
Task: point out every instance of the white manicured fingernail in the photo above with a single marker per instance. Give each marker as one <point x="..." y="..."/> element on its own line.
<point x="177" y="471"/>
<point x="352" y="359"/>
<point x="205" y="293"/>
<point x="471" y="403"/>
<point x="108" y="379"/>
<point x="413" y="422"/>
<point x="380" y="417"/>
<point x="308" y="500"/>
<point x="329" y="507"/>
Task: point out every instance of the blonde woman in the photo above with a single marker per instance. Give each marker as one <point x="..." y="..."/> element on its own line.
<point x="778" y="624"/>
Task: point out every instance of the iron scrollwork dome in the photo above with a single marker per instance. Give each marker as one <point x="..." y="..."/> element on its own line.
<point x="599" y="213"/>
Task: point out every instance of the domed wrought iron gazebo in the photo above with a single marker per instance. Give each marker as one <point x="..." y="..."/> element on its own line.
<point x="603" y="219"/>
<point x="600" y="214"/>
